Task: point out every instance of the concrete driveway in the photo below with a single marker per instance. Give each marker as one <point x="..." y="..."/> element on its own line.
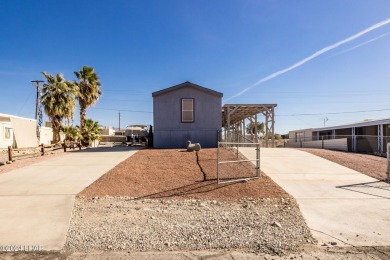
<point x="36" y="201"/>
<point x="339" y="204"/>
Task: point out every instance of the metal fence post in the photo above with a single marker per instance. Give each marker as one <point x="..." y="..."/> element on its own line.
<point x="258" y="160"/>
<point x="388" y="162"/>
<point x="322" y="139"/>
<point x="218" y="162"/>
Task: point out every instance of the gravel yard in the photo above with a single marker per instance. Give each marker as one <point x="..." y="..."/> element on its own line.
<point x="166" y="200"/>
<point x="169" y="173"/>
<point x="121" y="223"/>
<point x="164" y="204"/>
<point x="371" y="165"/>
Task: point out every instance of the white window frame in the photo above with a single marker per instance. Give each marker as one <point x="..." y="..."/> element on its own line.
<point x="6" y="129"/>
<point x="192" y="110"/>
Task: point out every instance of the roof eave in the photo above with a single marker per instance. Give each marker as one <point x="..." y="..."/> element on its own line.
<point x="187" y="84"/>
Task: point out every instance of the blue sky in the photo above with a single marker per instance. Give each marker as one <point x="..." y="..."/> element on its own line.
<point x="138" y="47"/>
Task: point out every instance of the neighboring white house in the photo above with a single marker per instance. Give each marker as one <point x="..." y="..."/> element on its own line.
<point x="6" y="134"/>
<point x="369" y="136"/>
<point x="17" y="131"/>
<point x="107" y="130"/>
<point x="46" y="135"/>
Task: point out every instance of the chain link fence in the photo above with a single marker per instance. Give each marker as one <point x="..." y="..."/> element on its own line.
<point x="369" y="144"/>
<point x="388" y="162"/>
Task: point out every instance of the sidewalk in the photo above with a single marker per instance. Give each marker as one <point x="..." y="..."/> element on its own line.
<point x="36" y="201"/>
<point x="338" y="204"/>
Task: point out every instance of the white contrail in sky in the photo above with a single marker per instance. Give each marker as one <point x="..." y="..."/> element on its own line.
<point x="361" y="44"/>
<point x="314" y="55"/>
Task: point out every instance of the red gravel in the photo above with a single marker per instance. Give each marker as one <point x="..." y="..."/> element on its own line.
<point x="168" y="173"/>
<point x="371" y="165"/>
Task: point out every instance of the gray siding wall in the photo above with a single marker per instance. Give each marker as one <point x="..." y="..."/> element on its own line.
<point x="170" y="132"/>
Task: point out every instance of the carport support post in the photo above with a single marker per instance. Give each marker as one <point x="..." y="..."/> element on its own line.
<point x="273" y="126"/>
<point x="380" y="139"/>
<point x="228" y="125"/>
<point x="256" y="134"/>
<point x="243" y="129"/>
<point x="266" y="128"/>
<point x="353" y="140"/>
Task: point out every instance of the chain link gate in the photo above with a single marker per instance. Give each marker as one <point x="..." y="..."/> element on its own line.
<point x="239" y="159"/>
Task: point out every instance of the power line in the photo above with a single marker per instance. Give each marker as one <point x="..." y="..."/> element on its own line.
<point x="337" y="113"/>
<point x="306" y="114"/>
<point x="122" y="110"/>
<point x="29" y="96"/>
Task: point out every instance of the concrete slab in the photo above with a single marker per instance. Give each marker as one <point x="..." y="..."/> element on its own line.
<point x="35" y="221"/>
<point x="68" y="174"/>
<point x="36" y="201"/>
<point x="338" y="204"/>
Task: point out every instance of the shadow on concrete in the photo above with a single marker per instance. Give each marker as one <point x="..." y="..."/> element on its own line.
<point x="105" y="149"/>
<point x="379" y="189"/>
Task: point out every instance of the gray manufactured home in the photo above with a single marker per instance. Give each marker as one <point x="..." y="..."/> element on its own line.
<point x="186" y="112"/>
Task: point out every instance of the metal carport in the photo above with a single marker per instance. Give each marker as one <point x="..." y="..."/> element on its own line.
<point x="234" y="116"/>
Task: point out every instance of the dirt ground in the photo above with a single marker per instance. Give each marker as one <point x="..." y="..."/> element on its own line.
<point x="171" y="173"/>
<point x="371" y="165"/>
<point x="177" y="174"/>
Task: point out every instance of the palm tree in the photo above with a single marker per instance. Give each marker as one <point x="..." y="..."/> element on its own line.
<point x="89" y="92"/>
<point x="251" y="128"/>
<point x="92" y="132"/>
<point x="72" y="133"/>
<point x="58" y="99"/>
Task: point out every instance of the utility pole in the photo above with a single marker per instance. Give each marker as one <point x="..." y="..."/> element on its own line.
<point x="36" y="102"/>
<point x="325" y="120"/>
<point x="119" y="120"/>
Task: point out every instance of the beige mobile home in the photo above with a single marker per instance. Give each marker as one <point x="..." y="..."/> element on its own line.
<point x="17" y="131"/>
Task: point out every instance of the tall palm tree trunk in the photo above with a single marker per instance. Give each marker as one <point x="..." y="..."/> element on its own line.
<point x="83" y="115"/>
<point x="56" y="125"/>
